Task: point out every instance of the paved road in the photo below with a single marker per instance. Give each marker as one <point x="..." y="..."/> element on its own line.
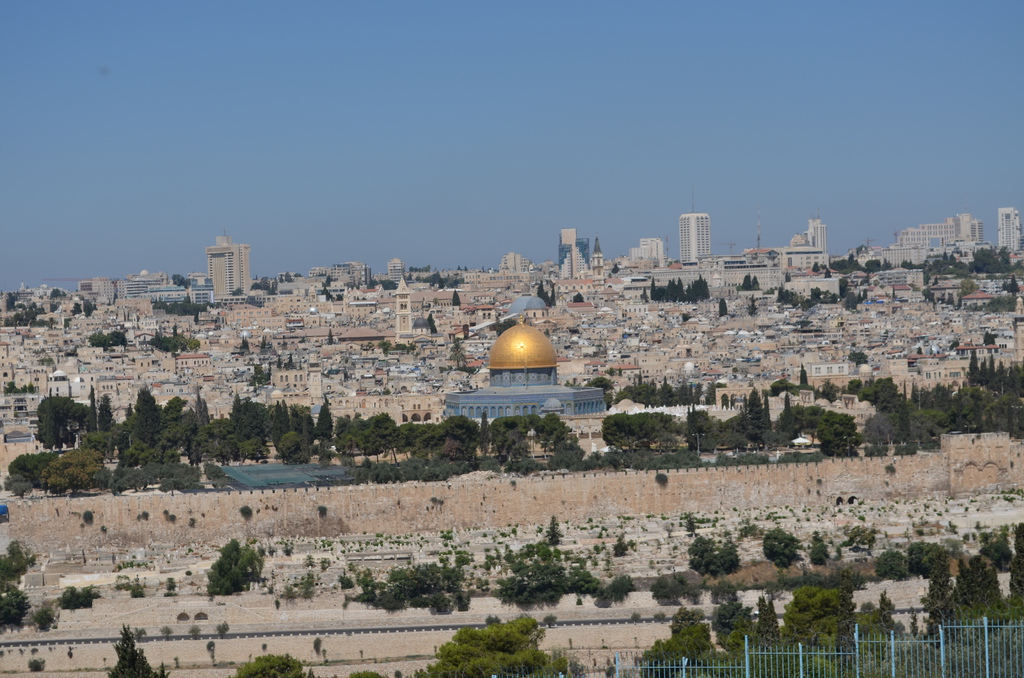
<point x="43" y="641"/>
<point x="333" y="631"/>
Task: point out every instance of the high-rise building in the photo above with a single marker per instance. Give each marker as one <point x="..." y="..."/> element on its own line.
<point x="396" y="269"/>
<point x="961" y="228"/>
<point x="573" y="253"/>
<point x="516" y="263"/>
<point x="227" y="264"/>
<point x="694" y="236"/>
<point x="1009" y="228"/>
<point x="650" y="248"/>
<point x="350" y="274"/>
<point x="817" y="235"/>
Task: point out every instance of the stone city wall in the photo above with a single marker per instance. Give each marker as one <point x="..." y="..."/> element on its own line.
<point x="966" y="464"/>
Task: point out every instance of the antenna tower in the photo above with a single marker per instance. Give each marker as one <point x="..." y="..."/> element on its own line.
<point x="759" y="227"/>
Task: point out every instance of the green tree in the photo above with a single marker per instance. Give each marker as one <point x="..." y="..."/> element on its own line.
<point x="554" y="534"/>
<point x="691" y="638"/>
<point x="14" y="605"/>
<point x="146" y="422"/>
<point x="104" y="414"/>
<point x="846" y="619"/>
<point x="455" y="299"/>
<point x="131" y="661"/>
<point x="457" y="354"/>
<point x="271" y="666"/>
<point x="30" y="467"/>
<point x="723" y="308"/>
<point x="237" y="568"/>
<point x="74" y="599"/>
<point x="818" y="552"/>
<point x="813" y="612"/>
<point x="324" y="423"/>
<point x="767" y="627"/>
<point x="74" y="470"/>
<point x="938" y="602"/>
<point x="509" y="648"/>
<point x="15" y="563"/>
<point x="977" y="585"/>
<point x="892" y="564"/>
<point x="60" y="421"/>
<point x="780" y="547"/>
<point x="1017" y="564"/>
<point x="837" y="434"/>
<point x="667" y="590"/>
<point x="711" y="558"/>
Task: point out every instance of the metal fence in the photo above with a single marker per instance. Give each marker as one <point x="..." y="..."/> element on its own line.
<point x="982" y="649"/>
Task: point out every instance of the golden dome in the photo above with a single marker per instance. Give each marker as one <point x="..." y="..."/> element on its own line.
<point x="521" y="347"/>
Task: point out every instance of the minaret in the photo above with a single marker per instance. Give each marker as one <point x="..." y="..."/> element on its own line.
<point x="403" y="308"/>
<point x="597" y="260"/>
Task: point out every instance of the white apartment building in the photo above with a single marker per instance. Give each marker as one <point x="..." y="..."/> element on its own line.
<point x="961" y="228"/>
<point x="650" y="248"/>
<point x="396" y="269"/>
<point x="817" y="235"/>
<point x="516" y="263"/>
<point x="1008" y="223"/>
<point x="694" y="236"/>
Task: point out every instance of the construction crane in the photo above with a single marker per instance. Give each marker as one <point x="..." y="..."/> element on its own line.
<point x="730" y="244"/>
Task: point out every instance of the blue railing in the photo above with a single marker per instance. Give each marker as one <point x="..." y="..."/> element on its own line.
<point x="981" y="649"/>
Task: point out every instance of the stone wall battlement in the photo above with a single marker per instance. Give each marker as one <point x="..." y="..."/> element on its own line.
<point x="966" y="464"/>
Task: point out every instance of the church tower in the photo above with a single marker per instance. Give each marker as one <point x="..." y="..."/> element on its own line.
<point x="403" y="308"/>
<point x="597" y="260"/>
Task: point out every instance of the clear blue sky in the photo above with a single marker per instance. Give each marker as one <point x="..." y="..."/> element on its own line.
<point x="450" y="133"/>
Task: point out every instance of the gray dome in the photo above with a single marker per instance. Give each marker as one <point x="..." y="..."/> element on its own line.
<point x="552" y="405"/>
<point x="420" y="324"/>
<point x="527" y="304"/>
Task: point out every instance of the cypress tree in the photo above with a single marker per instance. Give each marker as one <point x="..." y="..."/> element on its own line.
<point x="131" y="661"/>
<point x="885" y="610"/>
<point x="767" y="628"/>
<point x="847" y="613"/>
<point x="977" y="585"/>
<point x="485" y="434"/>
<point x="280" y="424"/>
<point x="324" y="423"/>
<point x="753" y="417"/>
<point x="455" y="299"/>
<point x="723" y="308"/>
<point x="938" y="603"/>
<point x="92" y="421"/>
<point x="1017" y="564"/>
<point x="787" y="420"/>
<point x="202" y="411"/>
<point x="146" y="426"/>
<point x="554" y="535"/>
<point x="104" y="414"/>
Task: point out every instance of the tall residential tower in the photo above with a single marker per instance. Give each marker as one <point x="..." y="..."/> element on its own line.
<point x="228" y="266"/>
<point x="817" y="235"/>
<point x="1009" y="228"/>
<point x="573" y="254"/>
<point x="694" y="236"/>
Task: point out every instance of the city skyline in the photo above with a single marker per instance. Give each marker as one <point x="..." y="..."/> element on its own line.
<point x="452" y="134"/>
